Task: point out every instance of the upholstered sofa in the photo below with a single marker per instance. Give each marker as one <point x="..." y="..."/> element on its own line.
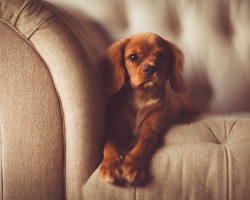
<point x="53" y="114"/>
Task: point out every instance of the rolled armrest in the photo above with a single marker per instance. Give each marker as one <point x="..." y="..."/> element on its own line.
<point x="52" y="117"/>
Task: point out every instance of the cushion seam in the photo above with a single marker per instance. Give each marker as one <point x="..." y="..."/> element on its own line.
<point x="225" y="127"/>
<point x="39" y="26"/>
<point x="21" y="11"/>
<point x="211" y="131"/>
<point x="232" y="127"/>
<point x="227" y="197"/>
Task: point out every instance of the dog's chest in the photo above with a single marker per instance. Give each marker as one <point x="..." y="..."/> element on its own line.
<point x="141" y="100"/>
<point x="141" y="108"/>
<point x="140" y="104"/>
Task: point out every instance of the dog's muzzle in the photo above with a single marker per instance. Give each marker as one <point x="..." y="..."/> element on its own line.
<point x="149" y="70"/>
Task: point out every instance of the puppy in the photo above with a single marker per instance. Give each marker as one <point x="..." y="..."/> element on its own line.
<point x="141" y="76"/>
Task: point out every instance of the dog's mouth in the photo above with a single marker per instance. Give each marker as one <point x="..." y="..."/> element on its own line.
<point x="149" y="84"/>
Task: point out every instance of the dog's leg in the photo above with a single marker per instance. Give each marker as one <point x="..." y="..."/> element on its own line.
<point x="133" y="166"/>
<point x="118" y="129"/>
<point x="110" y="166"/>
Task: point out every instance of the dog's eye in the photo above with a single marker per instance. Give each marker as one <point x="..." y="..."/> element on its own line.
<point x="133" y="57"/>
<point x="161" y="57"/>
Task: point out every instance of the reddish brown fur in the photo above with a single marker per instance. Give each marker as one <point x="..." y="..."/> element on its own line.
<point x="138" y="103"/>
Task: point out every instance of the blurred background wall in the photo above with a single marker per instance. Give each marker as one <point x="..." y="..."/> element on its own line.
<point x="214" y="36"/>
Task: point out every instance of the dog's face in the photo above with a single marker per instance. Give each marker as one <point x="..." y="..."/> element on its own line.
<point x="146" y="60"/>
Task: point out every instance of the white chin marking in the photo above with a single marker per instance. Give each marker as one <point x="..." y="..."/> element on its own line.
<point x="149" y="84"/>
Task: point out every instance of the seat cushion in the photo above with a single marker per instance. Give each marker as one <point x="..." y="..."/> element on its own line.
<point x="204" y="159"/>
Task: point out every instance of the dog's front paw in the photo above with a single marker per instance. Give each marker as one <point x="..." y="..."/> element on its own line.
<point x="133" y="170"/>
<point x="110" y="170"/>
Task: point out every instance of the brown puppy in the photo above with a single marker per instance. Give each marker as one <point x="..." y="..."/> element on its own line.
<point x="141" y="76"/>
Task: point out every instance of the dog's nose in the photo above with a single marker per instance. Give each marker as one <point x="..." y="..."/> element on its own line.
<point x="149" y="70"/>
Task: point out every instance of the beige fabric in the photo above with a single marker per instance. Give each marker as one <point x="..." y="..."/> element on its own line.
<point x="206" y="159"/>
<point x="31" y="123"/>
<point x="51" y="106"/>
<point x="81" y="102"/>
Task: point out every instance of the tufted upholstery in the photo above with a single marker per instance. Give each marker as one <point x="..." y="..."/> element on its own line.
<point x="206" y="159"/>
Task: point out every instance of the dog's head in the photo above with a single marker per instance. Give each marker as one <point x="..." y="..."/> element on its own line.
<point x="146" y="61"/>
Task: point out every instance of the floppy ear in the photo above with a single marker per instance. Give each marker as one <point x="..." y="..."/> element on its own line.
<point x="175" y="76"/>
<point x="112" y="68"/>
